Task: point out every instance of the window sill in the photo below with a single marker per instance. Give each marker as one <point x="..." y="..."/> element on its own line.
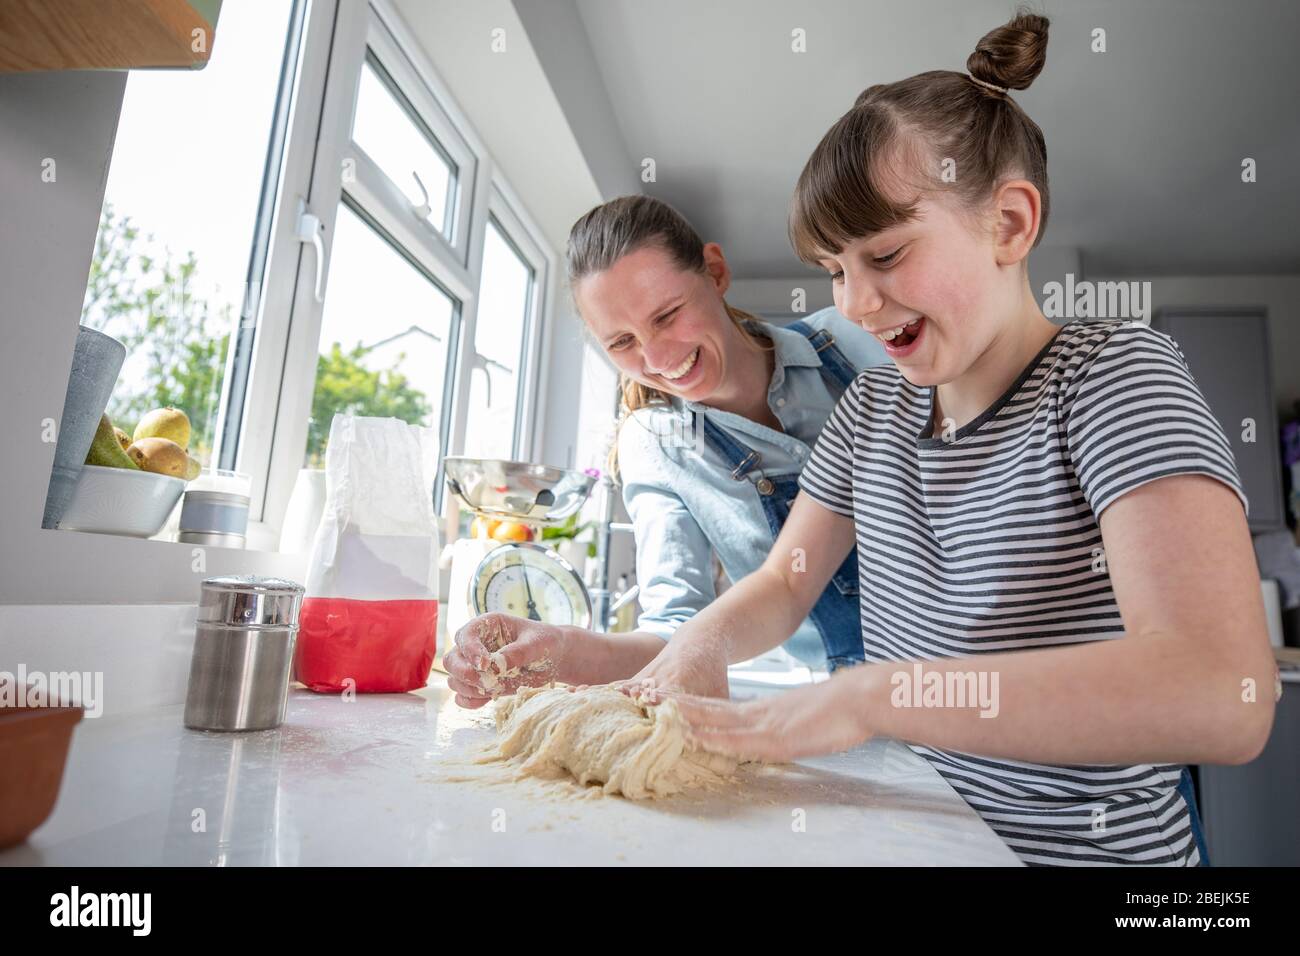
<point x="74" y="567"/>
<point x="260" y="537"/>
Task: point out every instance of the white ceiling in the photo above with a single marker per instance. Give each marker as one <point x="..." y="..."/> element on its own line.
<point x="1144" y="141"/>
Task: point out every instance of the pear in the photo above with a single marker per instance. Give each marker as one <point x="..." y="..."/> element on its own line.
<point x="105" y="450"/>
<point x="123" y="438"/>
<point x="162" y="456"/>
<point x="170" y="423"/>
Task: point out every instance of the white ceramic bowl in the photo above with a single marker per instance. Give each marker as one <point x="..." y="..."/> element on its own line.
<point x="121" y="501"/>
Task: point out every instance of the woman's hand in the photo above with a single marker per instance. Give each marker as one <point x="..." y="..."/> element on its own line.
<point x="818" y="719"/>
<point x="496" y="654"/>
<point x="697" y="666"/>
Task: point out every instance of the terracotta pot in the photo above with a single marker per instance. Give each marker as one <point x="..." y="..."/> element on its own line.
<point x="33" y="750"/>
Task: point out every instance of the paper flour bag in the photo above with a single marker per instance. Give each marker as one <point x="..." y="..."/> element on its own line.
<point x="370" y="615"/>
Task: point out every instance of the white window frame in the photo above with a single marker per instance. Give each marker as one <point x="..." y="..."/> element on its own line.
<point x="281" y="380"/>
<point x="373" y="188"/>
<point x="280" y="293"/>
<point x="493" y="196"/>
<point x="519" y="236"/>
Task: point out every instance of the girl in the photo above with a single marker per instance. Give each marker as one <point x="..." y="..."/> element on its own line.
<point x="721" y="411"/>
<point x="1048" y="521"/>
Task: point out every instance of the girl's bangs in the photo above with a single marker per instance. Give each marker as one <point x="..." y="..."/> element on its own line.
<point x="840" y="195"/>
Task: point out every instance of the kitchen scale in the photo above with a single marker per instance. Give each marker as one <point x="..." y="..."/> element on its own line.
<point x="520" y="578"/>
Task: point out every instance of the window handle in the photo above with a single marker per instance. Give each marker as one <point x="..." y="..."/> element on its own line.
<point x="421" y="211"/>
<point x="479" y="364"/>
<point x="311" y="230"/>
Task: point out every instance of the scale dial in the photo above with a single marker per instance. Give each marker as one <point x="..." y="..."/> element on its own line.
<point x="507" y="576"/>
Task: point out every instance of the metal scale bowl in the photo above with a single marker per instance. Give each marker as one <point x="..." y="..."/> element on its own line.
<point x="520" y="578"/>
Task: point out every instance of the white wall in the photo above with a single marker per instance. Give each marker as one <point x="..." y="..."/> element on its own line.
<point x="560" y="42"/>
<point x="140" y="652"/>
<point x="1279" y="294"/>
<point x="775" y="296"/>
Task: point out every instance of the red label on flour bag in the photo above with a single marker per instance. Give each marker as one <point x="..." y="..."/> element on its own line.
<point x="384" y="646"/>
<point x="370" y="617"/>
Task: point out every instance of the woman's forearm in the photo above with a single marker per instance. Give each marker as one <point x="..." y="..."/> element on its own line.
<point x="1150" y="699"/>
<point x="754" y="615"/>
<point x="591" y="657"/>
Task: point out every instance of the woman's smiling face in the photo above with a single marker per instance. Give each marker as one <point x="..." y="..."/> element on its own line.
<point x="661" y="325"/>
<point x="930" y="290"/>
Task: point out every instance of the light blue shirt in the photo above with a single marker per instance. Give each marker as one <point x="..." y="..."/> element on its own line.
<point x="683" y="501"/>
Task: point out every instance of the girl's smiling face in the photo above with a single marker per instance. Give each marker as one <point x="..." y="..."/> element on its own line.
<point x="938" y="279"/>
<point x="664" y="326"/>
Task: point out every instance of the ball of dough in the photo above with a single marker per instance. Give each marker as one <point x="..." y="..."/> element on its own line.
<point x="601" y="736"/>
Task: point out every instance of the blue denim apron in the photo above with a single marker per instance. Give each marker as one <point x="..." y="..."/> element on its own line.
<point x="836" y="614"/>
<point x="1189" y="795"/>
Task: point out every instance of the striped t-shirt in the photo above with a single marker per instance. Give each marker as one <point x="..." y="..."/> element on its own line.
<point x="986" y="540"/>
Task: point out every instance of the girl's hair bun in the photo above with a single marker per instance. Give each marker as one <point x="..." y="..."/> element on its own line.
<point x="1013" y="54"/>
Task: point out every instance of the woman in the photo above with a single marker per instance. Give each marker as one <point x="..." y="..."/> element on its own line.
<point x="1052" y="516"/>
<point x="721" y="411"/>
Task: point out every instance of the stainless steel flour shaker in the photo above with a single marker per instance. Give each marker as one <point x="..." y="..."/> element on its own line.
<point x="243" y="653"/>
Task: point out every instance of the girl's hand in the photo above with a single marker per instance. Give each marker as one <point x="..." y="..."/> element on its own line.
<point x="814" y="720"/>
<point x="496" y="654"/>
<point x="697" y="666"/>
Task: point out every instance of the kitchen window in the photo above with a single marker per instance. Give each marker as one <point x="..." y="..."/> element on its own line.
<point x="500" y="342"/>
<point x="394" y="270"/>
<point x="433" y="280"/>
<point x="178" y="254"/>
<point x="385" y="340"/>
<point x="308" y="226"/>
<point x="394" y="137"/>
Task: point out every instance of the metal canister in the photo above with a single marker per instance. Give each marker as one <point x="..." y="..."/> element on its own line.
<point x="213" y="518"/>
<point x="243" y="653"/>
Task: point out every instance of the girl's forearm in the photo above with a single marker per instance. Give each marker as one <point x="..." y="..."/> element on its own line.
<point x="1149" y="699"/>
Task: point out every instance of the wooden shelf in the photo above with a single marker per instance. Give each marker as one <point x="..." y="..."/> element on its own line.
<point x="40" y="35"/>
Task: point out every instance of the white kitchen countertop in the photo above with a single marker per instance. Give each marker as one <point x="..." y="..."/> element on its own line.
<point x="390" y="780"/>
